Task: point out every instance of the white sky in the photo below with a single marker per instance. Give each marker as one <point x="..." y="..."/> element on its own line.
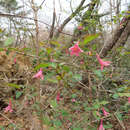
<point x="63" y="9"/>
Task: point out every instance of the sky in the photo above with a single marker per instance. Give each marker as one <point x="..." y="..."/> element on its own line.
<point x="63" y="9"/>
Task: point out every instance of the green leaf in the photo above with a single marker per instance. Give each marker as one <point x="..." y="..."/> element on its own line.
<point x="8" y="41"/>
<point x="57" y="123"/>
<point x="49" y="75"/>
<point x="52" y="64"/>
<point x="53" y="104"/>
<point x="7" y="52"/>
<point x="124" y="94"/>
<point x="89" y="108"/>
<point x="73" y="95"/>
<point x="103" y="102"/>
<point x="1" y="49"/>
<point x="122" y="89"/>
<point x="46" y="120"/>
<point x="49" y="50"/>
<point x="98" y="73"/>
<point x="115" y="95"/>
<point x="55" y="43"/>
<point x="26" y="49"/>
<point x="2" y="128"/>
<point x="14" y="85"/>
<point x="18" y="94"/>
<point x="64" y="113"/>
<point x="45" y="65"/>
<point x="52" y="80"/>
<point x="13" y="49"/>
<point x="119" y="116"/>
<point x="77" y="77"/>
<point x="66" y="68"/>
<point x="96" y="106"/>
<point x="108" y="126"/>
<point x="42" y="65"/>
<point x="89" y="38"/>
<point x="95" y="114"/>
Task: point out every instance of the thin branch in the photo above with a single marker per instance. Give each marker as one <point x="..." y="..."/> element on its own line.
<point x="53" y="22"/>
<point x="82" y="84"/>
<point x="41" y="4"/>
<point x="35" y="11"/>
<point x="23" y="17"/>
<point x="120" y="122"/>
<point x="67" y="20"/>
<point x="8" y="119"/>
<point x="71" y="6"/>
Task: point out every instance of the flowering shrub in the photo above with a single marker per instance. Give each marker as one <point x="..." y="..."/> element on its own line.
<point x="77" y="90"/>
<point x="9" y="107"/>
<point x="39" y="75"/>
<point x="75" y="50"/>
<point x="78" y="104"/>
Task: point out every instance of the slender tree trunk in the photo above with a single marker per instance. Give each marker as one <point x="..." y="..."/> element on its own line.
<point x="124" y="36"/>
<point x="53" y="23"/>
<point x="118" y="5"/>
<point x="37" y="34"/>
<point x="119" y="37"/>
<point x="35" y="10"/>
<point x="67" y="20"/>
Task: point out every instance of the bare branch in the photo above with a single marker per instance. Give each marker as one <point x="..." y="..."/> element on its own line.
<point x="53" y="22"/>
<point x="23" y="17"/>
<point x="41" y="4"/>
<point x="35" y="10"/>
<point x="69" y="18"/>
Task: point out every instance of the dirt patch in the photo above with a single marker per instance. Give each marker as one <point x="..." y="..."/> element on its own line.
<point x="14" y="70"/>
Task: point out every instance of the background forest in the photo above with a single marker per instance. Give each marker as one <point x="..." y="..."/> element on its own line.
<point x="64" y="65"/>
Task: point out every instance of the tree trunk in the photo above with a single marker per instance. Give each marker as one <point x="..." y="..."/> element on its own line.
<point x="53" y="23"/>
<point x="124" y="36"/>
<point x="119" y="34"/>
<point x="67" y="20"/>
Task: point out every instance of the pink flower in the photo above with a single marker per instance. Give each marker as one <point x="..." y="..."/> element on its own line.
<point x="129" y="100"/>
<point x="101" y="125"/>
<point x="51" y="60"/>
<point x="39" y="75"/>
<point x="82" y="62"/>
<point x="102" y="63"/>
<point x="80" y="28"/>
<point x="73" y="100"/>
<point x="58" y="97"/>
<point x="104" y="112"/>
<point x="75" y="50"/>
<point x="9" y="107"/>
<point x="14" y="60"/>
